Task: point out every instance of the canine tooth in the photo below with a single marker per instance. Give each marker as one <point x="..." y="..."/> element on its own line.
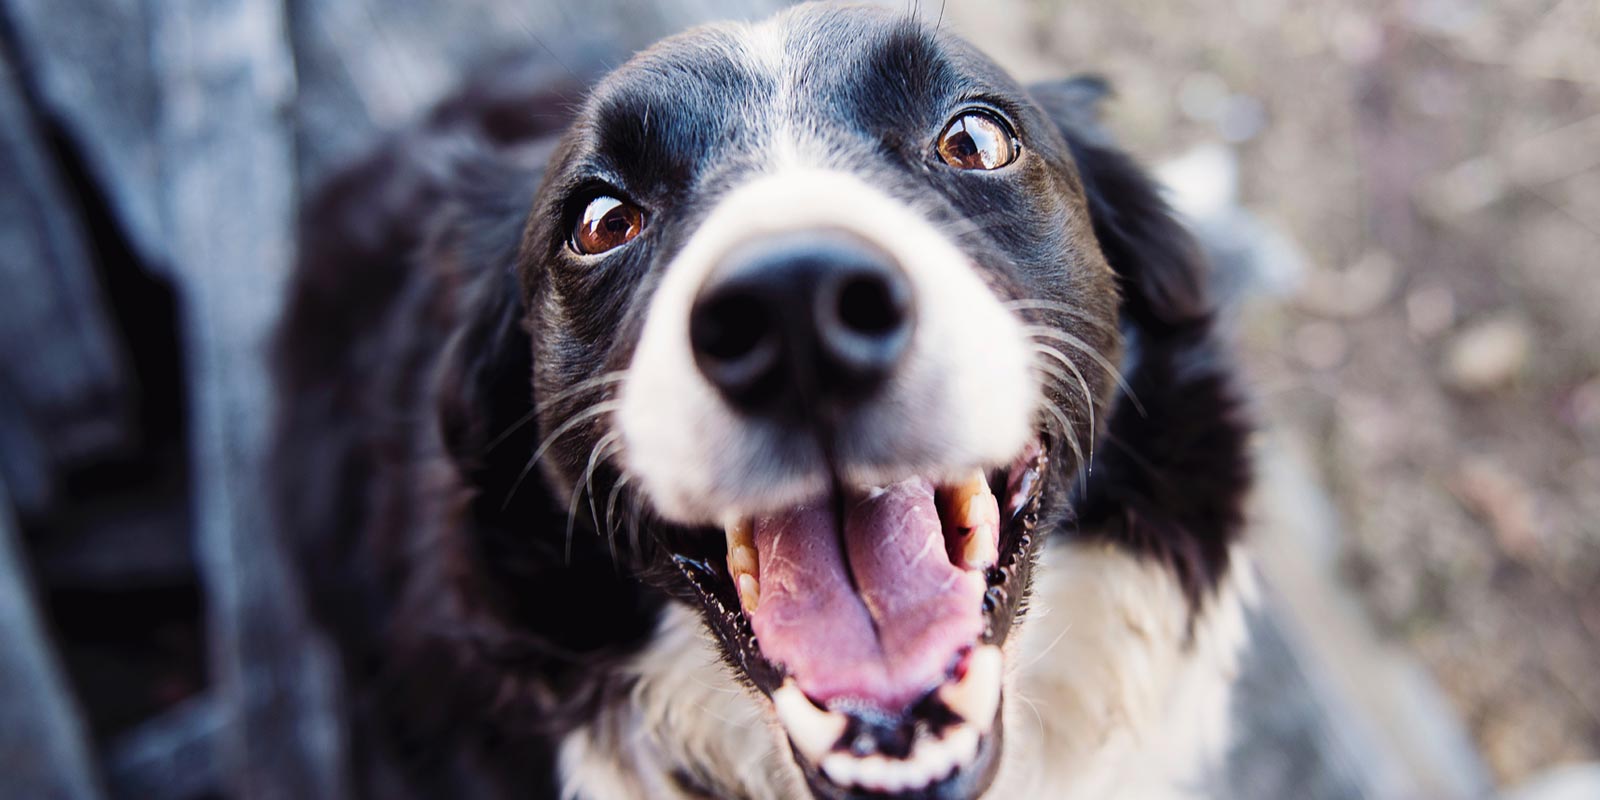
<point x="740" y="533"/>
<point x="972" y="522"/>
<point x="976" y="697"/>
<point x="742" y="560"/>
<point x="749" y="592"/>
<point x="980" y="550"/>
<point x="813" y="730"/>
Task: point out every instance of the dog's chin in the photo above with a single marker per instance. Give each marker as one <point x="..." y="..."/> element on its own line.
<point x="873" y="620"/>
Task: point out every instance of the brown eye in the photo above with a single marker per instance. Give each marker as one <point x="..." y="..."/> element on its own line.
<point x="607" y="223"/>
<point x="977" y="140"/>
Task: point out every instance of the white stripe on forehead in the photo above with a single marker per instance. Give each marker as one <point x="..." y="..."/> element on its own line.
<point x="766" y="48"/>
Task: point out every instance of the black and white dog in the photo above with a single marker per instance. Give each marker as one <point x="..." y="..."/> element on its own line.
<point x="813" y="410"/>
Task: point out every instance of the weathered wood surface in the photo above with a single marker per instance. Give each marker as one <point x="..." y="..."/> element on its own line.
<point x="227" y="79"/>
<point x="64" y="387"/>
<point x="43" y="753"/>
<point x="172" y="757"/>
<point x="90" y="65"/>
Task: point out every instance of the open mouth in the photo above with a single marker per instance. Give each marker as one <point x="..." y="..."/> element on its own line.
<point x="874" y="622"/>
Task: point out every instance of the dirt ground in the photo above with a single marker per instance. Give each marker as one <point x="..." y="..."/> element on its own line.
<point x="1438" y="161"/>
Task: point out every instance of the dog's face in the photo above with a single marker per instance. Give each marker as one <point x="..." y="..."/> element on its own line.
<point x="818" y="312"/>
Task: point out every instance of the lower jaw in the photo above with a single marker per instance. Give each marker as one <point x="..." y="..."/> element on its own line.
<point x="968" y="782"/>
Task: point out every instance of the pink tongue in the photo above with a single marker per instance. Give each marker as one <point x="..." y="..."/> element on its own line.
<point x="888" y="645"/>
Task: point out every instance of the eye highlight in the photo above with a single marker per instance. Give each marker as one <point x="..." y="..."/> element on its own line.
<point x="977" y="139"/>
<point x="606" y="224"/>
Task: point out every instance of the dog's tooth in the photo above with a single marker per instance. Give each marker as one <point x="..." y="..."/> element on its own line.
<point x="841" y="769"/>
<point x="976" y="697"/>
<point x="962" y="741"/>
<point x="743" y="562"/>
<point x="873" y="772"/>
<point x="933" y="759"/>
<point x="749" y="592"/>
<point x="813" y="730"/>
<point x="981" y="549"/>
<point x="740" y="533"/>
<point x="972" y="522"/>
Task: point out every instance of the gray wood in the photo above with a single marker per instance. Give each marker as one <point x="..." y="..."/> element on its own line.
<point x="172" y="757"/>
<point x="368" y="66"/>
<point x="1286" y="741"/>
<point x="88" y="62"/>
<point x="43" y="752"/>
<point x="227" y="80"/>
<point x="68" y="395"/>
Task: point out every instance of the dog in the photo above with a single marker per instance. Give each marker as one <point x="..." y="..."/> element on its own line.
<point x="810" y="411"/>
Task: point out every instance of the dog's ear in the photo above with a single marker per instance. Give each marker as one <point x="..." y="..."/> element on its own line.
<point x="1162" y="273"/>
<point x="485" y="386"/>
<point x="484" y="378"/>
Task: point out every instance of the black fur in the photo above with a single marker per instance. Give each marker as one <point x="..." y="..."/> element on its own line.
<point x="1170" y="480"/>
<point x="421" y="333"/>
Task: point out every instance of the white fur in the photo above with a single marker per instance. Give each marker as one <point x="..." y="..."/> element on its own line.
<point x="1110" y="697"/>
<point x="964" y="397"/>
<point x="1107" y="697"/>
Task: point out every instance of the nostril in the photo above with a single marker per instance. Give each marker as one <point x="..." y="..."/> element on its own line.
<point x="728" y="327"/>
<point x="736" y="344"/>
<point x="870" y="306"/>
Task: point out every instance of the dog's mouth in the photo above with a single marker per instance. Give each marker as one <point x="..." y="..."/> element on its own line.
<point x="874" y="619"/>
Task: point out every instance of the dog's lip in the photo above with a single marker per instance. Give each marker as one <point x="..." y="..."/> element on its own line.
<point x="1021" y="493"/>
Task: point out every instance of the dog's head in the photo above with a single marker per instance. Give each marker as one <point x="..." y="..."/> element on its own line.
<point x="824" y="323"/>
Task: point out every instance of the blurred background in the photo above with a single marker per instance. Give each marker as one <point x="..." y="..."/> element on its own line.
<point x="1402" y="200"/>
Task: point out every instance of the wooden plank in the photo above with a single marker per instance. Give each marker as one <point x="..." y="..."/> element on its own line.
<point x="88" y="63"/>
<point x="43" y="751"/>
<point x="228" y="163"/>
<point x="368" y="66"/>
<point x="172" y="757"/>
<point x="68" y="394"/>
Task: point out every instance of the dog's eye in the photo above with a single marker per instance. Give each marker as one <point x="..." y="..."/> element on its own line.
<point x="977" y="140"/>
<point x="607" y="223"/>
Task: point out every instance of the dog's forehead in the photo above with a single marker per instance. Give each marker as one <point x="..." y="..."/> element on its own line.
<point x="803" y="86"/>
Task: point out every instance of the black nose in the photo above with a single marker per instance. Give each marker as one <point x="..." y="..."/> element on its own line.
<point x="815" y="317"/>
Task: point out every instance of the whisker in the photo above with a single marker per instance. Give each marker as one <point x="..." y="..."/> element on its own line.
<point x="1088" y="397"/>
<point x="1038" y="718"/>
<point x="593" y="411"/>
<point x="585" y="485"/>
<point x="594" y="514"/>
<point x="1072" y="441"/>
<point x="611" y="510"/>
<point x="1040" y="304"/>
<point x="633" y="521"/>
<point x="1083" y="347"/>
<point x="564" y="394"/>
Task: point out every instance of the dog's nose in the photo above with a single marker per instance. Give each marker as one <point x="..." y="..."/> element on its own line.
<point x="815" y="317"/>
